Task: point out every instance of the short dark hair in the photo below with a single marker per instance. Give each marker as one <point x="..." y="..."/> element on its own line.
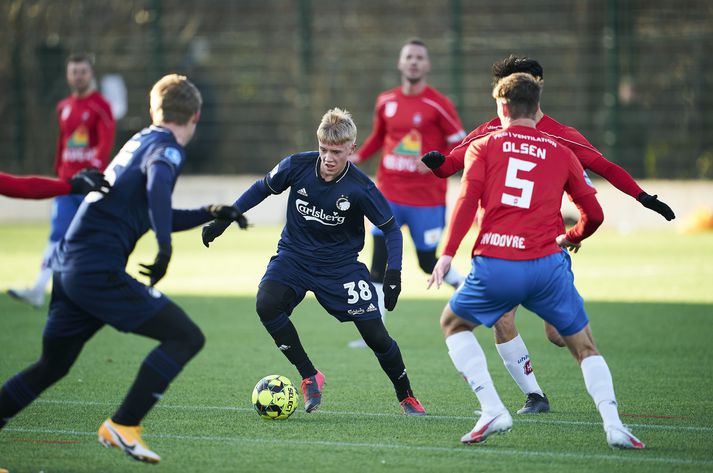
<point x="513" y="64"/>
<point x="521" y="91"/>
<point x="82" y="57"/>
<point x="415" y="41"/>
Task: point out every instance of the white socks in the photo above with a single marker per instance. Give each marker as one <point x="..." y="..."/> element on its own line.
<point x="380" y="295"/>
<point x="469" y="360"/>
<point x="517" y="361"/>
<point x="454" y="278"/>
<point x="600" y="386"/>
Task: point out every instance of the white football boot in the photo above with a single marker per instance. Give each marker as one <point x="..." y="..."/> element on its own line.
<point x="488" y="425"/>
<point x="29" y="296"/>
<point x="620" y="437"/>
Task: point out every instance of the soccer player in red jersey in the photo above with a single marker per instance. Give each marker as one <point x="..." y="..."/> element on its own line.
<point x="510" y="345"/>
<point x="518" y="175"/>
<point x="86" y="138"/>
<point x="39" y="187"/>
<point x="408" y="120"/>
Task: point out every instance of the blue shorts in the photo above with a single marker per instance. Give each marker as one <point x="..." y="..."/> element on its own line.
<point x="83" y="302"/>
<point x="344" y="290"/>
<point x="63" y="210"/>
<point x="544" y="286"/>
<point x="424" y="223"/>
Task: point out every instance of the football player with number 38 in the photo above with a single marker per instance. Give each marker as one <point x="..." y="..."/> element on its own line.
<point x="318" y="249"/>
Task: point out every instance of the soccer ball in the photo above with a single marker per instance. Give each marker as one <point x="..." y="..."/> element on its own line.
<point x="274" y="397"/>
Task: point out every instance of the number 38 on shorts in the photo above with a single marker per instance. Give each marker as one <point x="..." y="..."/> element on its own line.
<point x="357" y="291"/>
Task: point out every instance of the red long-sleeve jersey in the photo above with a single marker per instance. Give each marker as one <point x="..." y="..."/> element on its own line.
<point x="406" y="126"/>
<point x="518" y="175"/>
<point x="589" y="157"/>
<point x="86" y="134"/>
<point x="32" y="187"/>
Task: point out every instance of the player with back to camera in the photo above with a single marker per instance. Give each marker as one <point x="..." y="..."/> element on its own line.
<point x="509" y="343"/>
<point x="85" y="140"/>
<point x="318" y="249"/>
<point x="519" y="256"/>
<point x="91" y="287"/>
<point x="409" y="120"/>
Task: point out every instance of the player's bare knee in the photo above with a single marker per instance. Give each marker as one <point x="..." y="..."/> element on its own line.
<point x="451" y="323"/>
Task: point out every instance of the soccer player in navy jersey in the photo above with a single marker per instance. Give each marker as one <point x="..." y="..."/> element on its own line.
<point x="329" y="198"/>
<point x="509" y="343"/>
<point x="91" y="287"/>
<point x="519" y="255"/>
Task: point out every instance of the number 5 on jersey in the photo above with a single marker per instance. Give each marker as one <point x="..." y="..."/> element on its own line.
<point x="364" y="292"/>
<point x="511" y="180"/>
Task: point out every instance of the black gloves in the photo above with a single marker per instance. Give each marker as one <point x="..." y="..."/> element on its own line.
<point x="156" y="271"/>
<point x="433" y="159"/>
<point x="652" y="202"/>
<point x="89" y="180"/>
<point x="392" y="288"/>
<point x="213" y="230"/>
<point x="224" y="216"/>
<point x="228" y="212"/>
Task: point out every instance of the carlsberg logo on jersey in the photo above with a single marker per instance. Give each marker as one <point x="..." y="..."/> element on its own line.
<point x="311" y="212"/>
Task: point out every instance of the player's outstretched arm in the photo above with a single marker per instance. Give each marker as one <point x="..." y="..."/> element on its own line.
<point x="653" y="203"/>
<point x="32" y="187"/>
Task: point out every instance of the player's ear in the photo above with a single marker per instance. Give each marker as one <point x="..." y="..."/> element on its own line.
<point x="504" y="108"/>
<point x="196" y="117"/>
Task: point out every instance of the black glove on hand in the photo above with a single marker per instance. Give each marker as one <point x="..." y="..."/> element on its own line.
<point x="392" y="288"/>
<point x="652" y="202"/>
<point x="156" y="271"/>
<point x="89" y="180"/>
<point x="433" y="159"/>
<point x="213" y="230"/>
<point x="228" y="212"/>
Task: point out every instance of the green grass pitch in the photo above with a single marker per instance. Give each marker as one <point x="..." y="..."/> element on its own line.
<point x="649" y="298"/>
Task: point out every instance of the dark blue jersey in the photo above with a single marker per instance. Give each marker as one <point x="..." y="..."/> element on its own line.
<point x="106" y="228"/>
<point x="325" y="220"/>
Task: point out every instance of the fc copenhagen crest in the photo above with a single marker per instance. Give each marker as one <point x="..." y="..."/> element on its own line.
<point x="343" y="203"/>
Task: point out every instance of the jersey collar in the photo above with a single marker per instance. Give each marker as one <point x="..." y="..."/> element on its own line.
<point x="339" y="177"/>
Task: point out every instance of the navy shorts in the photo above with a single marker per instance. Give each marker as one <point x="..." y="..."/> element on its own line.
<point x="544" y="286"/>
<point x="425" y="224"/>
<point x="83" y="302"/>
<point x="344" y="290"/>
<point x="63" y="210"/>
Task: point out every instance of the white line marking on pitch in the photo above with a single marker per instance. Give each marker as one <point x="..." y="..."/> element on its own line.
<point x="382" y="414"/>
<point x="477" y="450"/>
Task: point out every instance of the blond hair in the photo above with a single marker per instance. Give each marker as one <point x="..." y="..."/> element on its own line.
<point x="174" y="99"/>
<point x="337" y="127"/>
<point x="521" y="91"/>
